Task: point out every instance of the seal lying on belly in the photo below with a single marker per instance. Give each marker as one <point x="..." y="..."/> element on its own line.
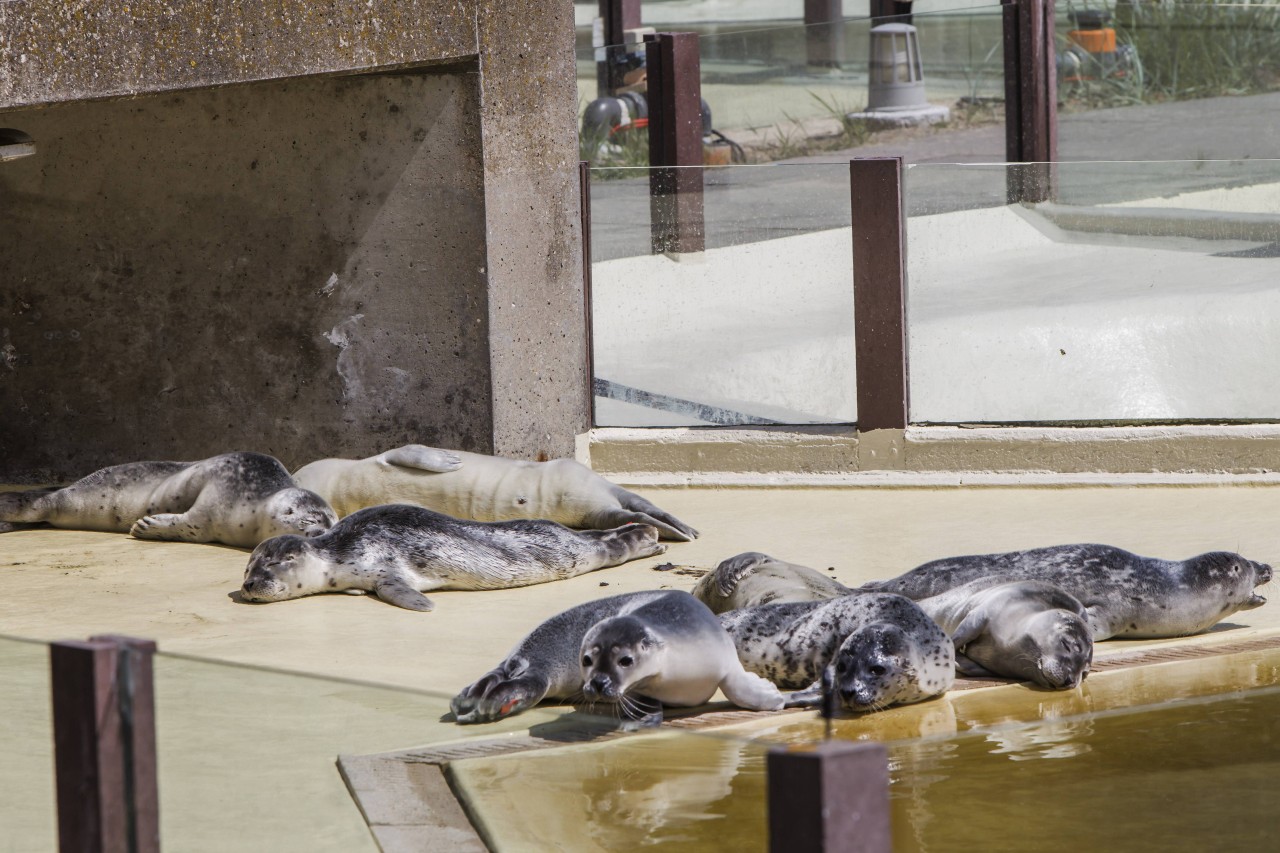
<point x="485" y="488"/>
<point x="881" y="649"/>
<point x="237" y="499"/>
<point x="397" y="552"/>
<point x="1124" y="595"/>
<point x="640" y="650"/>
<point x="1027" y="630"/>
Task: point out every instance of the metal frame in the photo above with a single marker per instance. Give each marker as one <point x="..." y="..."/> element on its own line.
<point x="618" y="17"/>
<point x="1031" y="99"/>
<point x="824" y="33"/>
<point x="584" y="189"/>
<point x="675" y="142"/>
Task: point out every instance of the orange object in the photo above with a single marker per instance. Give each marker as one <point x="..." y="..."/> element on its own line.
<point x="1095" y="41"/>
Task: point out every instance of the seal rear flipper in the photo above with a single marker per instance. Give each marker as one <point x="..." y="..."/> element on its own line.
<point x="751" y="691"/>
<point x="971" y="669"/>
<point x="20" y="507"/>
<point x="423" y="458"/>
<point x="810" y="697"/>
<point x="397" y="592"/>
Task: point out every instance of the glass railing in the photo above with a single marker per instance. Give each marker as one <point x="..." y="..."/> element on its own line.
<point x="1147" y="292"/>
<point x="1160" y="81"/>
<point x="756" y="329"/>
<point x="28" y="814"/>
<point x="765" y="96"/>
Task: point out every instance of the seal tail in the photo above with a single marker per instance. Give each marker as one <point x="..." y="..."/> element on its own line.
<point x="637" y="510"/>
<point x="21" y="507"/>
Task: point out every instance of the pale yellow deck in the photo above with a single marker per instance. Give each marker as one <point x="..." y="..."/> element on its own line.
<point x="247" y="756"/>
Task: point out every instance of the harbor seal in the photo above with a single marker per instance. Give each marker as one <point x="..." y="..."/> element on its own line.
<point x="1028" y="630"/>
<point x="397" y="552"/>
<point x="1124" y="595"/>
<point x="237" y="499"/>
<point x="485" y="488"/>
<point x="637" y="651"/>
<point x="879" y="649"/>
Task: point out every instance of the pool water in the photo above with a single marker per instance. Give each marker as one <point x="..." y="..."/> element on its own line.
<point x="1182" y="773"/>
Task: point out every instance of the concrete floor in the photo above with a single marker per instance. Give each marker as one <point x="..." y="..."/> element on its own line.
<point x="247" y="754"/>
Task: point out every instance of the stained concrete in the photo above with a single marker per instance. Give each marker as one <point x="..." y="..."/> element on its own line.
<point x="309" y="230"/>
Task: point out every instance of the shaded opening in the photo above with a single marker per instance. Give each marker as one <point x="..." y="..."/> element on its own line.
<point x="14" y="144"/>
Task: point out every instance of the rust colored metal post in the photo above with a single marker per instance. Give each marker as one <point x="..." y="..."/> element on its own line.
<point x="584" y="183"/>
<point x="880" y="292"/>
<point x="833" y="799"/>
<point x="675" y="142"/>
<point x="895" y="11"/>
<point x="617" y="16"/>
<point x="1031" y="98"/>
<point x="104" y="745"/>
<point x="824" y="33"/>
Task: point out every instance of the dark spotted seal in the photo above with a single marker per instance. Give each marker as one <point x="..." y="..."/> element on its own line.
<point x="1027" y="630"/>
<point x="638" y="651"/>
<point x="1124" y="595"/>
<point x="881" y="649"/>
<point x="237" y="499"/>
<point x="397" y="552"/>
<point x="485" y="488"/>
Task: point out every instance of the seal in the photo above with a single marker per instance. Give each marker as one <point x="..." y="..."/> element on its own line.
<point x="637" y="651"/>
<point x="485" y="488"/>
<point x="1028" y="630"/>
<point x="877" y="649"/>
<point x="398" y="551"/>
<point x="236" y="499"/>
<point x="1124" y="595"/>
<point x="752" y="579"/>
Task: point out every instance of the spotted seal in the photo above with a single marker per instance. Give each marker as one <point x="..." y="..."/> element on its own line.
<point x="1029" y="630"/>
<point x="1124" y="595"/>
<point x="398" y="551"/>
<point x="485" y="488"/>
<point x="879" y="649"/>
<point x="237" y="499"/>
<point x="637" y="651"/>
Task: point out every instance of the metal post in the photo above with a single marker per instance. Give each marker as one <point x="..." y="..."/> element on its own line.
<point x="104" y="745"/>
<point x="879" y="292"/>
<point x="890" y="11"/>
<point x="584" y="184"/>
<point x="1031" y="98"/>
<point x="618" y="16"/>
<point x="824" y="33"/>
<point x="833" y="799"/>
<point x="675" y="142"/>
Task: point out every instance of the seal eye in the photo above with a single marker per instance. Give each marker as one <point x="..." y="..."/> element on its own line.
<point x="877" y="669"/>
<point x="586" y="660"/>
<point x="625" y="660"/>
<point x="840" y="667"/>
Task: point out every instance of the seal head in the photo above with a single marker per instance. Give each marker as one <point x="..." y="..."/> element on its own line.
<point x="878" y="666"/>
<point x="283" y="567"/>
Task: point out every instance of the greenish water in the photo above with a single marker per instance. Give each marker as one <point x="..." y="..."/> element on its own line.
<point x="1190" y="774"/>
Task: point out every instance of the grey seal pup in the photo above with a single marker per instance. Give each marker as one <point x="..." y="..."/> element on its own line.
<point x="878" y="649"/>
<point x="1029" y="630"/>
<point x="1124" y="595"/>
<point x="237" y="499"/>
<point x="637" y="651"/>
<point x="397" y="552"/>
<point x="485" y="488"/>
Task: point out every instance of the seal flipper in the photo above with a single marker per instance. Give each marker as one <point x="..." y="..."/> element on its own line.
<point x="639" y="712"/>
<point x="10" y="526"/>
<point x="637" y="509"/>
<point x="810" y="697"/>
<point x="972" y="669"/>
<point x="731" y="572"/>
<point x="167" y="527"/>
<point x="502" y="692"/>
<point x="970" y="628"/>
<point x="423" y="458"/>
<point x="395" y="591"/>
<point x="751" y="691"/>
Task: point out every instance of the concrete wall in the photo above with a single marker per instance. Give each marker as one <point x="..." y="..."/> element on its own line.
<point x="366" y="234"/>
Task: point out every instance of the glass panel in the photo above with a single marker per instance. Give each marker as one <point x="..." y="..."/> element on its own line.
<point x="1168" y="80"/>
<point x="1148" y="293"/>
<point x="756" y="329"/>
<point x="787" y="91"/>
<point x="28" y="815"/>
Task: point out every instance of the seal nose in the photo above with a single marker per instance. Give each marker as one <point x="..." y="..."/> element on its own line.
<point x="601" y="685"/>
<point x="1264" y="573"/>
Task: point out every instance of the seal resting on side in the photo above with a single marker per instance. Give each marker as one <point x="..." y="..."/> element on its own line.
<point x="1029" y="630"/>
<point x="878" y="649"/>
<point x="1124" y="595"/>
<point x="237" y="499"/>
<point x="638" y="650"/>
<point x="485" y="488"/>
<point x="397" y="552"/>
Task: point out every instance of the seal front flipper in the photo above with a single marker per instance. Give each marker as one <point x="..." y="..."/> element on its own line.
<point x="166" y="527"/>
<point x="423" y="458"/>
<point x="971" y="669"/>
<point x="637" y="509"/>
<point x="638" y="712"/>
<point x="500" y="693"/>
<point x="396" y="591"/>
<point x="731" y="572"/>
<point x="751" y="691"/>
<point x="810" y="697"/>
